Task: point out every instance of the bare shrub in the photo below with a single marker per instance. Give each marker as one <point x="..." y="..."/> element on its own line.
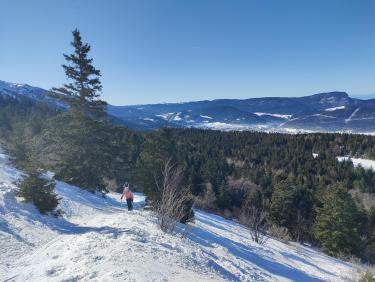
<point x="368" y="276"/>
<point x="255" y="218"/>
<point x="171" y="208"/>
<point x="207" y="200"/>
<point x="279" y="232"/>
<point x="362" y="273"/>
<point x="367" y="200"/>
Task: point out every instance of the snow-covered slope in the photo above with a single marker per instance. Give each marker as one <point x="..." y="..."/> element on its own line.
<point x="17" y="90"/>
<point x="99" y="240"/>
<point x="23" y="89"/>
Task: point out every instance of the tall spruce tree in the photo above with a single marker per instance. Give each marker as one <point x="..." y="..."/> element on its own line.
<point x="83" y="92"/>
<point x="82" y="133"/>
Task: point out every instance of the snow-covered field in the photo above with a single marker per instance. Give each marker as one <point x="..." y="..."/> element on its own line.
<point x="97" y="239"/>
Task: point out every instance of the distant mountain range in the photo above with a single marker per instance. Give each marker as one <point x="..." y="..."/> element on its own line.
<point x="327" y="112"/>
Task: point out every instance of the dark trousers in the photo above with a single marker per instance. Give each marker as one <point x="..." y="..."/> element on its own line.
<point x="129" y="202"/>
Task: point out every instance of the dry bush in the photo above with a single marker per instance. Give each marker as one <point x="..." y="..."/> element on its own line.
<point x="110" y="183"/>
<point x="236" y="163"/>
<point x="367" y="200"/>
<point x="242" y="184"/>
<point x="207" y="200"/>
<point x="367" y="277"/>
<point x="255" y="218"/>
<point x="170" y="209"/>
<point x="279" y="232"/>
<point x="227" y="213"/>
<point x="362" y="273"/>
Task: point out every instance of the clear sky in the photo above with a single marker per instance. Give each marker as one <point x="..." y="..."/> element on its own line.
<point x="172" y="51"/>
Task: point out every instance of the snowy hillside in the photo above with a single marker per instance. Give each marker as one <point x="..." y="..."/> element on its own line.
<point x="99" y="240"/>
<point x="16" y="90"/>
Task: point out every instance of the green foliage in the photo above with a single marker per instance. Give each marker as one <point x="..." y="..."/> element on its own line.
<point x="369" y="248"/>
<point x="82" y="152"/>
<point x="83" y="92"/>
<point x="337" y="225"/>
<point x="291" y="207"/>
<point x="38" y="190"/>
<point x="81" y="133"/>
<point x="156" y="151"/>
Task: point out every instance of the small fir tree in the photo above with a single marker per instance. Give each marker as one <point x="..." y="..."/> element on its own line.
<point x="36" y="189"/>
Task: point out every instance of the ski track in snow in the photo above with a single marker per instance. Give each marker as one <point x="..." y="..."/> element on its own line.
<point x="352" y="115"/>
<point x="97" y="239"/>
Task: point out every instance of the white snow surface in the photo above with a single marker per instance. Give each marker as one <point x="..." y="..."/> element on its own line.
<point x="352" y="115"/>
<point x="97" y="239"/>
<point x="365" y="163"/>
<point x="335" y="109"/>
<point x="207" y="117"/>
<point x="274" y="115"/>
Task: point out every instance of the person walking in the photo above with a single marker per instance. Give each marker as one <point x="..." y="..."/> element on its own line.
<point x="128" y="195"/>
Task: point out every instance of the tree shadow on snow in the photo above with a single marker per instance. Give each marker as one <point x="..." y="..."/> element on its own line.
<point x="228" y="226"/>
<point x="304" y="261"/>
<point x="247" y="253"/>
<point x="29" y="213"/>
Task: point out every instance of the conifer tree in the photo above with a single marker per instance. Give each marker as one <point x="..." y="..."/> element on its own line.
<point x="82" y="133"/>
<point x="36" y="189"/>
<point x="83" y="92"/>
<point x="337" y="224"/>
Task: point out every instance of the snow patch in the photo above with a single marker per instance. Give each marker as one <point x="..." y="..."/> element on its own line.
<point x="365" y="163"/>
<point x="335" y="109"/>
<point x="207" y="117"/>
<point x="273" y="115"/>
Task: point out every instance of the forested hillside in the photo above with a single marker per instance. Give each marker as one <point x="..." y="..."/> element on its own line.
<point x="290" y="177"/>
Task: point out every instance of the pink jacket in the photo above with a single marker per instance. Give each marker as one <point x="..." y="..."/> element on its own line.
<point x="128" y="195"/>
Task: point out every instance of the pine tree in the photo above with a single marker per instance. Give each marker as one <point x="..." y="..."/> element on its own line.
<point x="82" y="94"/>
<point x="158" y="149"/>
<point x="82" y="133"/>
<point x="283" y="211"/>
<point x="291" y="207"/>
<point x="337" y="222"/>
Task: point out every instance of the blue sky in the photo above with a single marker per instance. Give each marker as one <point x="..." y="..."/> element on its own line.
<point x="172" y="51"/>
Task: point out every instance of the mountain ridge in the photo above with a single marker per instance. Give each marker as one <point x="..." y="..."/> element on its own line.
<point x="332" y="111"/>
